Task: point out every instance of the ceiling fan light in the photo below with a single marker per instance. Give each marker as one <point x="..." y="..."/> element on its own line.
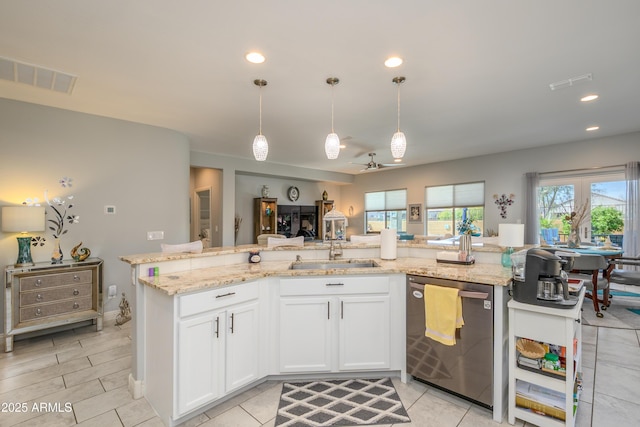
<point x="398" y="145"/>
<point x="332" y="146"/>
<point x="260" y="148"/>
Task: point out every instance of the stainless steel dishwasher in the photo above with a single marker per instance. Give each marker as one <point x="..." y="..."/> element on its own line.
<point x="466" y="368"/>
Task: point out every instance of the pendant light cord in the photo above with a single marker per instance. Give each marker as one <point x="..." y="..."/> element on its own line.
<point x="398" y="84"/>
<point x="332" y="95"/>
<point x="260" y="109"/>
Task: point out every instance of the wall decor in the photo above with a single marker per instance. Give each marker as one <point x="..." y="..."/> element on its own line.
<point x="502" y="202"/>
<point x="415" y="213"/>
<point x="293" y="193"/>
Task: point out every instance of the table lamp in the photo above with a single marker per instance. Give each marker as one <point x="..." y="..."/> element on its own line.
<point x="23" y="219"/>
<point x="510" y="236"/>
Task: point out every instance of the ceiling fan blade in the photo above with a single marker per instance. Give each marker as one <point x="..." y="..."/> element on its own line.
<point x="391" y="164"/>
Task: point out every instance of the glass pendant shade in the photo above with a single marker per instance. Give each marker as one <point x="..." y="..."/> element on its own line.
<point x="398" y="145"/>
<point x="332" y="146"/>
<point x="260" y="148"/>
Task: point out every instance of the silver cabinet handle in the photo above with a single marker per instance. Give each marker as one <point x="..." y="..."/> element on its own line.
<point x="342" y="309"/>
<point x="76" y="277"/>
<point x="76" y="292"/>
<point x="232" y="322"/>
<point x="329" y="310"/>
<point x="39" y="297"/>
<point x="76" y="305"/>
<point x="225" y="295"/>
<point x="38" y="282"/>
<point x="38" y="312"/>
<point x="218" y="327"/>
<point x="334" y="284"/>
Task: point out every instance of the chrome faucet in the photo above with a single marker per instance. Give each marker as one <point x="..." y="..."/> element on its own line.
<point x="335" y="252"/>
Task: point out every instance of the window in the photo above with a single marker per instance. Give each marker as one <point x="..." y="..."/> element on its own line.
<point x="604" y="194"/>
<point x="385" y="209"/>
<point x="448" y="204"/>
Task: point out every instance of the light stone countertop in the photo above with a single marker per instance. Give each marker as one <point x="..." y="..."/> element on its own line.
<point x="215" y="277"/>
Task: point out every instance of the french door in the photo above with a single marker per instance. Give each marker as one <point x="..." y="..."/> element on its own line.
<point x="602" y="197"/>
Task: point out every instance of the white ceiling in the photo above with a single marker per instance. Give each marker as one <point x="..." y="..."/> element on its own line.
<point x="477" y="72"/>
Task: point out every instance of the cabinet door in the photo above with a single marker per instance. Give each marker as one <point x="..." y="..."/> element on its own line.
<point x="305" y="334"/>
<point x="364" y="332"/>
<point x="200" y="341"/>
<point x="242" y="341"/>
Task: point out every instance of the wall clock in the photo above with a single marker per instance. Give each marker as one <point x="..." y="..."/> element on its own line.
<point x="293" y="193"/>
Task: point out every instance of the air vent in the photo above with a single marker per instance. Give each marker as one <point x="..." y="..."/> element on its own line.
<point x="34" y="75"/>
<point x="571" y="82"/>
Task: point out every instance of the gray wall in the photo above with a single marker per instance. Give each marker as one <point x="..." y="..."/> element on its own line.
<point x="142" y="170"/>
<point x="502" y="173"/>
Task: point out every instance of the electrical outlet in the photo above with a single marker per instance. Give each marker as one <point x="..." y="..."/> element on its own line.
<point x="112" y="291"/>
<point x="155" y="235"/>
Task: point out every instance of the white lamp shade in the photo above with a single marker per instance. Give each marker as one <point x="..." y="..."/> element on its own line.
<point x="398" y="145"/>
<point x="332" y="146"/>
<point x="511" y="235"/>
<point x="260" y="148"/>
<point x="22" y="219"/>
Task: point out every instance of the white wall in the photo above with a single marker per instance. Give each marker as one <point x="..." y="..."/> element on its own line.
<point x="142" y="170"/>
<point x="502" y="173"/>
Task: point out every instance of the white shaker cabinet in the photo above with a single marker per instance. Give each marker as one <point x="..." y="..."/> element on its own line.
<point x="211" y="340"/>
<point x="334" y="323"/>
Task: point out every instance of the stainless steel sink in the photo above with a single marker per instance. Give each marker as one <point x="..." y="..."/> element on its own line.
<point x="338" y="264"/>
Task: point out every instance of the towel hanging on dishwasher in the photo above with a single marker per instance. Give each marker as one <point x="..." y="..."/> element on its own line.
<point x="443" y="313"/>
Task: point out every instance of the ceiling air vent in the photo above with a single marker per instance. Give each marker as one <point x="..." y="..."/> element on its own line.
<point x="34" y="75"/>
<point x="571" y="82"/>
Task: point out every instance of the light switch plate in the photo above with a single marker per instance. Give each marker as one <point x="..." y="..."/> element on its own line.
<point x="155" y="235"/>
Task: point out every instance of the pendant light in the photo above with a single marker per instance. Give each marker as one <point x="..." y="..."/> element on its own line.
<point x="260" y="144"/>
<point x="398" y="141"/>
<point x="332" y="143"/>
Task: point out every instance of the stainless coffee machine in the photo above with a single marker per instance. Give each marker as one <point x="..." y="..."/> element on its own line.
<point x="545" y="281"/>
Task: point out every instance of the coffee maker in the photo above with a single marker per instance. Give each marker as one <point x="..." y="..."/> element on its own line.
<point x="545" y="282"/>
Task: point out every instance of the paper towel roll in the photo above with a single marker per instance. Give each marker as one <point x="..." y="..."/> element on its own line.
<point x="388" y="244"/>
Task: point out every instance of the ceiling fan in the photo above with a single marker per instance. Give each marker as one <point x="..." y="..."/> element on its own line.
<point x="372" y="165"/>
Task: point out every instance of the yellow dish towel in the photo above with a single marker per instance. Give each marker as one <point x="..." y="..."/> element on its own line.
<point x="443" y="313"/>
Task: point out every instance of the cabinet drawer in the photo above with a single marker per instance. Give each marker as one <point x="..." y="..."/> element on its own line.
<point x="51" y="280"/>
<point x="334" y="285"/>
<point x="58" y="308"/>
<point x="55" y="294"/>
<point x="208" y="300"/>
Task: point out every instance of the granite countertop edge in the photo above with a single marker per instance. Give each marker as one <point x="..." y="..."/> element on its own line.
<point x="218" y="277"/>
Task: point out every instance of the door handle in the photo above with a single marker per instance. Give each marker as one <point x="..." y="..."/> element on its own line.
<point x="342" y="309"/>
<point x="329" y="310"/>
<point x="218" y="327"/>
<point x="232" y="314"/>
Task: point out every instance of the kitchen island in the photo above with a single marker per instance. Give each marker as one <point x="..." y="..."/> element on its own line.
<point x="256" y="320"/>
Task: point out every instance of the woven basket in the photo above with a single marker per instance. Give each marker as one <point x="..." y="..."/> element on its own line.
<point x="530" y="349"/>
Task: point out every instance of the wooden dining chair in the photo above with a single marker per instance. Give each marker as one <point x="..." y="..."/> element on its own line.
<point x="594" y="271"/>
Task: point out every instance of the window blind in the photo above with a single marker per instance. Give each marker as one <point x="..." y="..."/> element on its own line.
<point x="451" y="196"/>
<point x="385" y="200"/>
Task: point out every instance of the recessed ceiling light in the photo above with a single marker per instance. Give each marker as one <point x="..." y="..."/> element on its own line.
<point x="592" y="128"/>
<point x="392" y="62"/>
<point x="589" y="98"/>
<point x="255" y="57"/>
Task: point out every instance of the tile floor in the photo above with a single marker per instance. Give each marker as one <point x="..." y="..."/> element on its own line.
<point x="82" y="375"/>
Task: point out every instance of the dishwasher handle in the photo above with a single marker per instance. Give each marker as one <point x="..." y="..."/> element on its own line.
<point x="463" y="294"/>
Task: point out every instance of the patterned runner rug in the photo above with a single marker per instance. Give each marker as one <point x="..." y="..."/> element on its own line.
<point x="340" y="403"/>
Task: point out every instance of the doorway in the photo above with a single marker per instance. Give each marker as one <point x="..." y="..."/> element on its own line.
<point x="206" y="206"/>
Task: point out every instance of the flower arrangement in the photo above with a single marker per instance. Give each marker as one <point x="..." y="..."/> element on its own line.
<point x="466" y="226"/>
<point x="61" y="209"/>
<point x="574" y="219"/>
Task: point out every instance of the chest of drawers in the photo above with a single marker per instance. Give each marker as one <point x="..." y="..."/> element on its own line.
<point x="45" y="296"/>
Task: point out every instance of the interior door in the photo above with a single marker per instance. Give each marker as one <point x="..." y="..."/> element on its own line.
<point x="201" y="213"/>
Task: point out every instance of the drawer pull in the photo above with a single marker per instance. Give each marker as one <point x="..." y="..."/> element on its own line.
<point x="38" y="282"/>
<point x="232" y="322"/>
<point x="76" y="292"/>
<point x="76" y="277"/>
<point x="38" y="312"/>
<point x="39" y="297"/>
<point x="225" y="295"/>
<point x="218" y="327"/>
<point x="76" y="305"/>
<point x="334" y="284"/>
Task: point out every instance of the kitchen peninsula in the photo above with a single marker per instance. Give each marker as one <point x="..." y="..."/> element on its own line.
<point x="223" y="325"/>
